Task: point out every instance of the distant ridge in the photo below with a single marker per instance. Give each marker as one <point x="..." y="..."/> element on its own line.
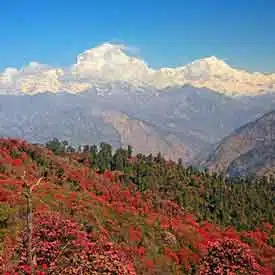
<point x="249" y="150"/>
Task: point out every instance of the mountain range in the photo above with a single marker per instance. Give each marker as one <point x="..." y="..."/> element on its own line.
<point x="111" y="96"/>
<point x="111" y="63"/>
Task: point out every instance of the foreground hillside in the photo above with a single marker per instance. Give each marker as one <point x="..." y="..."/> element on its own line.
<point x="95" y="212"/>
<point x="248" y="150"/>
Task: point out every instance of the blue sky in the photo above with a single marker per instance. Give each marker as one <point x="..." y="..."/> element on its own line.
<point x="167" y="32"/>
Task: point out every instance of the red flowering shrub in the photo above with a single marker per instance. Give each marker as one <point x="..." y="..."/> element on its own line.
<point x="61" y="247"/>
<point x="53" y="236"/>
<point x="96" y="259"/>
<point x="230" y="257"/>
<point x="109" y="260"/>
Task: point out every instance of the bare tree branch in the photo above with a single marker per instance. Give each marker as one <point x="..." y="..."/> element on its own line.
<point x="36" y="184"/>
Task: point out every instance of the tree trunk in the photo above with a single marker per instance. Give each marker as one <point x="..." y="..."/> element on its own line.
<point x="31" y="260"/>
<point x="29" y="229"/>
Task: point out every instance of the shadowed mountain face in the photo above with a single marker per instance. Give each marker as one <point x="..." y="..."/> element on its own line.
<point x="179" y="122"/>
<point x="248" y="150"/>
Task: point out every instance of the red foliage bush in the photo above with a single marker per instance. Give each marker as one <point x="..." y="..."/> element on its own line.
<point x="52" y="234"/>
<point x="62" y="247"/>
<point x="230" y="257"/>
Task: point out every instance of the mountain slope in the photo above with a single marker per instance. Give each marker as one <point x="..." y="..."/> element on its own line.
<point x="144" y="137"/>
<point x="86" y="222"/>
<point x="248" y="150"/>
<point x="108" y="64"/>
<point x="80" y="121"/>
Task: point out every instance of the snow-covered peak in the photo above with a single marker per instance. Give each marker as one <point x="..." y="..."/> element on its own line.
<point x="108" y="55"/>
<point x="104" y="53"/>
<point x="217" y="75"/>
<point x="108" y="63"/>
<point x="213" y="60"/>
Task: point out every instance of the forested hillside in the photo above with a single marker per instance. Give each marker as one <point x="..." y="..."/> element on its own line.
<point x="99" y="211"/>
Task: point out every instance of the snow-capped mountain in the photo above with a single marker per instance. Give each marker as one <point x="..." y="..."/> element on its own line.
<point x="108" y="64"/>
